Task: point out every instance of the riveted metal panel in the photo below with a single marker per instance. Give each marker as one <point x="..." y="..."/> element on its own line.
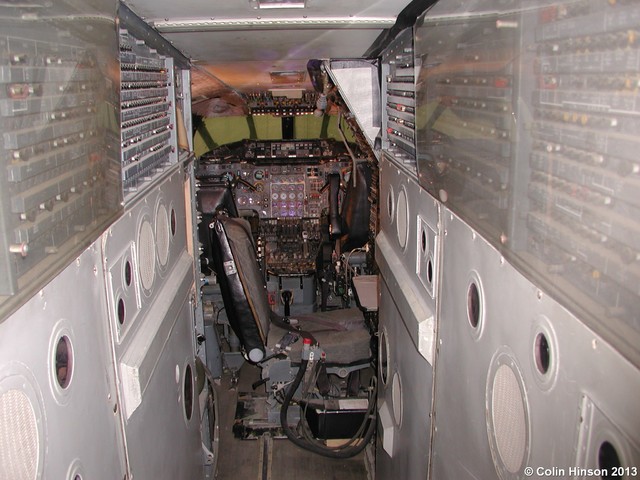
<point x="408" y="255"/>
<point x="408" y="251"/>
<point x="507" y="350"/>
<point x="151" y="315"/>
<point x="57" y="380"/>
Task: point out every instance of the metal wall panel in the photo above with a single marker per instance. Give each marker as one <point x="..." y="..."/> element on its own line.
<point x="407" y="253"/>
<point x="60" y="416"/>
<point x="520" y="382"/>
<point x="404" y="398"/>
<point x="150" y="284"/>
<point x="140" y="252"/>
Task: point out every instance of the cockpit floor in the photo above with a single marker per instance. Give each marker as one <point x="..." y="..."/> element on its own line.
<point x="265" y="458"/>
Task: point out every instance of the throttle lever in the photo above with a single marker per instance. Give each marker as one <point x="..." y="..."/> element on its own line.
<point x="250" y="185"/>
<point x="233" y="183"/>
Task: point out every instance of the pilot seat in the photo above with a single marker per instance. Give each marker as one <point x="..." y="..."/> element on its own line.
<point x="317" y="367"/>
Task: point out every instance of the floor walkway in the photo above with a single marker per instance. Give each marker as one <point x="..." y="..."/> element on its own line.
<point x="266" y="458"/>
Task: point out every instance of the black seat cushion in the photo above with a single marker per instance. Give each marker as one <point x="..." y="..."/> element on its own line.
<point x="342" y="335"/>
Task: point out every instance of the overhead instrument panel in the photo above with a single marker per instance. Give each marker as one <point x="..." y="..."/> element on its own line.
<point x="530" y="135"/>
<point x="60" y="184"/>
<point x="269" y="103"/>
<point x="301" y="149"/>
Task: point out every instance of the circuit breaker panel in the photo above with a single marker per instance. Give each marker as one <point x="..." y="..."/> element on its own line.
<point x="60" y="185"/>
<point x="147" y="113"/>
<point x="530" y="135"/>
<point x="399" y="110"/>
<point x="584" y="188"/>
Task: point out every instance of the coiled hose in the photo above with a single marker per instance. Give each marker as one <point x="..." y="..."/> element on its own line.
<point x="344" y="451"/>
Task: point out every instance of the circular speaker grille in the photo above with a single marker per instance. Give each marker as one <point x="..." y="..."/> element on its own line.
<point x="402" y="215"/>
<point x="147" y="255"/>
<point x="19" y="443"/>
<point x="162" y="234"/>
<point x="509" y="418"/>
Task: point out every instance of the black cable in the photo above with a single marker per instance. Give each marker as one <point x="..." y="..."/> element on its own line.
<point x="338" y="452"/>
<point x="307" y="433"/>
<point x="212" y="406"/>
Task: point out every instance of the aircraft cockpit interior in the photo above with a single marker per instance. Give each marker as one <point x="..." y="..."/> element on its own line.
<point x="314" y="239"/>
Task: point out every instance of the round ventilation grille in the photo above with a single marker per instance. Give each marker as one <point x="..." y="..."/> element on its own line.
<point x="162" y="234"/>
<point x="63" y="361"/>
<point x="384" y="356"/>
<point x="390" y="203"/>
<point x="545" y="354"/>
<point x="509" y="418"/>
<point x="188" y="392"/>
<point x="402" y="216"/>
<point x="396" y="398"/>
<point x="19" y="443"/>
<point x="473" y="305"/>
<point x="147" y="255"/>
<point x="76" y="472"/>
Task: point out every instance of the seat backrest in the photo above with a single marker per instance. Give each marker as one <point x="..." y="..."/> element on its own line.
<point x="356" y="209"/>
<point x="241" y="282"/>
<point x="212" y="198"/>
<point x="216" y="196"/>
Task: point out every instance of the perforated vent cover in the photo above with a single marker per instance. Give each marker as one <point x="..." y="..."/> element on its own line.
<point x="162" y="234"/>
<point x="146" y="255"/>
<point x="19" y="442"/>
<point x="509" y="418"/>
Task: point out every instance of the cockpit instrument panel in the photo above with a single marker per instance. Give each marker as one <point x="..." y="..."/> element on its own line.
<point x="277" y="179"/>
<point x="285" y="185"/>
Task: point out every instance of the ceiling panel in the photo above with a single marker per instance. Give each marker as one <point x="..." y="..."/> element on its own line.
<point x="272" y="45"/>
<point x="192" y="9"/>
<point x="243" y="57"/>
